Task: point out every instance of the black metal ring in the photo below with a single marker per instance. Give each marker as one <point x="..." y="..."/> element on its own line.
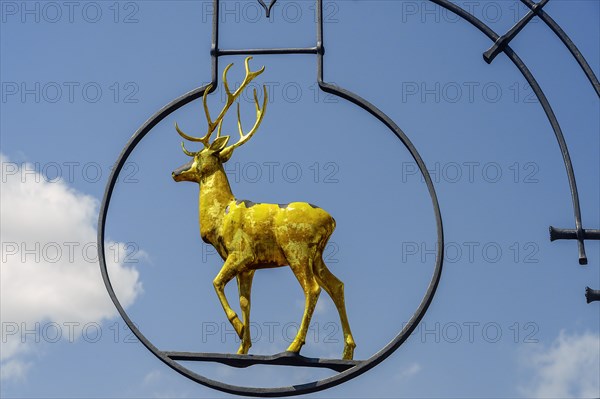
<point x="281" y="391"/>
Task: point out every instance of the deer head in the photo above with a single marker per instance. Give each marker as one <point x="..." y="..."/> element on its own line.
<point x="215" y="153"/>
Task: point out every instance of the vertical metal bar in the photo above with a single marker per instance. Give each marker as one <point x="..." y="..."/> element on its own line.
<point x="320" y="47"/>
<point x="214" y="49"/>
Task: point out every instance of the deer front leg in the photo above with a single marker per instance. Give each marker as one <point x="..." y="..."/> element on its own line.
<point x="244" y="280"/>
<point x="233" y="265"/>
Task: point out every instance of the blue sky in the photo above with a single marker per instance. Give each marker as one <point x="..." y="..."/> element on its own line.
<point x="509" y="318"/>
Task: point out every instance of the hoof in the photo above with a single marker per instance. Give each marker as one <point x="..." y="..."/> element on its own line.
<point x="349" y="350"/>
<point x="244" y="348"/>
<point x="348" y="353"/>
<point x="295" y="347"/>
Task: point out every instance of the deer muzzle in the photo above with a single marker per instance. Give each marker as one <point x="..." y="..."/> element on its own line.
<point x="179" y="174"/>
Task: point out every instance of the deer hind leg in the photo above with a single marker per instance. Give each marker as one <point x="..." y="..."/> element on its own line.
<point x="335" y="289"/>
<point x="234" y="264"/>
<point x="301" y="264"/>
<point x="244" y="280"/>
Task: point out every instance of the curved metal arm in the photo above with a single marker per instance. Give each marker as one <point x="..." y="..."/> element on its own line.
<point x="547" y="109"/>
<point x="569" y="44"/>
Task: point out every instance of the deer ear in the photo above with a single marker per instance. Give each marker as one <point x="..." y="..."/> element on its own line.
<point x="225" y="154"/>
<point x="219" y="143"/>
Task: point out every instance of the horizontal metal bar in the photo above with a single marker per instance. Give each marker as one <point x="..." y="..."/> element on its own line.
<point x="571" y="234"/>
<point x="592" y="295"/>
<point x="257" y="51"/>
<point x="280" y="359"/>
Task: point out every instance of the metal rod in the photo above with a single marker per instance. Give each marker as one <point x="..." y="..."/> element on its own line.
<point x="257" y="51"/>
<point x="503" y="40"/>
<point x="571" y="234"/>
<point x="320" y="40"/>
<point x="214" y="80"/>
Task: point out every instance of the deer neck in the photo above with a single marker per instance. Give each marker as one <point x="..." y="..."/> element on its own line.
<point x="215" y="195"/>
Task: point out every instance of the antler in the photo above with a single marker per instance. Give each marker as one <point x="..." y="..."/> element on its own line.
<point x="260" y="112"/>
<point x="231" y="97"/>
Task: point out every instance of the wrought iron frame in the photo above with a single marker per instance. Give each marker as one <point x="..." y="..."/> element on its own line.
<point x="348" y="370"/>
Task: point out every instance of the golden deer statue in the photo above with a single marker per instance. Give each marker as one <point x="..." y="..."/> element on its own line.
<point x="251" y="236"/>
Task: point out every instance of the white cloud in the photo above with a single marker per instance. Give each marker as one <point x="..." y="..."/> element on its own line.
<point x="569" y="368"/>
<point x="409" y="372"/>
<point x="152" y="377"/>
<point x="49" y="271"/>
<point x="14" y="370"/>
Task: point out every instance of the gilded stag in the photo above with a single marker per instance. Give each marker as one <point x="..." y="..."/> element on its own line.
<point x="250" y="236"/>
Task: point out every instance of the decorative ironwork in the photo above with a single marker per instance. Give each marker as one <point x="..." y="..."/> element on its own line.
<point x="356" y="368"/>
